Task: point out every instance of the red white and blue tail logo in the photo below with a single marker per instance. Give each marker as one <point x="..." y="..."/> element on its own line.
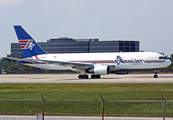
<point x="26" y="44"/>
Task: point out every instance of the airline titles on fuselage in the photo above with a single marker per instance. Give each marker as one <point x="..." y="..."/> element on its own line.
<point x="133" y="61"/>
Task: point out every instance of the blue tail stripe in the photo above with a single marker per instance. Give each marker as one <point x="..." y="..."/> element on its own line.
<point x="21" y="33"/>
<point x="22" y="43"/>
<point x="31" y="48"/>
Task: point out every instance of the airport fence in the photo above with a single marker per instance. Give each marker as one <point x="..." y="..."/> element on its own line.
<point x="156" y="108"/>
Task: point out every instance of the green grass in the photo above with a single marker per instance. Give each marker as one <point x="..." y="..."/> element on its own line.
<point x="109" y="91"/>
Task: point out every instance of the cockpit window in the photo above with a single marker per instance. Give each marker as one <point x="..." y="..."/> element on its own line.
<point x="163" y="57"/>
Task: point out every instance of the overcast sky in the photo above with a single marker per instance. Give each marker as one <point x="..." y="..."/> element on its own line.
<point x="147" y="21"/>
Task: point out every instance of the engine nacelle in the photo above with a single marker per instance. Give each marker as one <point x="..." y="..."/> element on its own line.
<point x="100" y="70"/>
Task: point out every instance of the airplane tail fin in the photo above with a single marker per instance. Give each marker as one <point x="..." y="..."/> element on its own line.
<point x="28" y="45"/>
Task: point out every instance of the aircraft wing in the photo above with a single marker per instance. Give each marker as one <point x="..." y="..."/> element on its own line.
<point x="25" y="60"/>
<point x="73" y="65"/>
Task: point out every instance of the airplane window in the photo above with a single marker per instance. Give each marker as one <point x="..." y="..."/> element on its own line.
<point x="163" y="57"/>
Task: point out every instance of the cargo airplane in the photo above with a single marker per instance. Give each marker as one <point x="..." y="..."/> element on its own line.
<point x="95" y="63"/>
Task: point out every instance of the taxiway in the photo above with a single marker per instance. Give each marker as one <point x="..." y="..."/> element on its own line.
<point x="72" y="78"/>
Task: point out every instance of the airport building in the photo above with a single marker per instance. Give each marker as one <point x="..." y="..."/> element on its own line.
<point x="69" y="45"/>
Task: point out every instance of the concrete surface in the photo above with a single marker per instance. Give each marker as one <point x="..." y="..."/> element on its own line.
<point x="17" y="117"/>
<point x="73" y="78"/>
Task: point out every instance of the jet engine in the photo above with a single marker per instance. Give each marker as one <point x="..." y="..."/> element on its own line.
<point x="100" y="70"/>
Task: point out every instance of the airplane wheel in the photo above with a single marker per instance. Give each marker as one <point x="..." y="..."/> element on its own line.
<point x="98" y="76"/>
<point x="93" y="76"/>
<point x="80" y="76"/>
<point x="155" y="76"/>
<point x="85" y="76"/>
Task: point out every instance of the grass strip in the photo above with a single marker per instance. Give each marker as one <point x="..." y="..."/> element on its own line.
<point x="110" y="91"/>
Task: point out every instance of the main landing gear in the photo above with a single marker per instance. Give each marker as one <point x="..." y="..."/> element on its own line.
<point x="86" y="76"/>
<point x="155" y="75"/>
<point x="95" y="76"/>
<point x="83" y="76"/>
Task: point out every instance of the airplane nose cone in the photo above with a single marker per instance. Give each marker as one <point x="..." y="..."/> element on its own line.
<point x="169" y="62"/>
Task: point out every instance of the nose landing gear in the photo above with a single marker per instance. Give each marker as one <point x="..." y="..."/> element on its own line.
<point x="155" y="76"/>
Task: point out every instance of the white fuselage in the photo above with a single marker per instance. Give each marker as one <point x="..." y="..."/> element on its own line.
<point x="120" y="60"/>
